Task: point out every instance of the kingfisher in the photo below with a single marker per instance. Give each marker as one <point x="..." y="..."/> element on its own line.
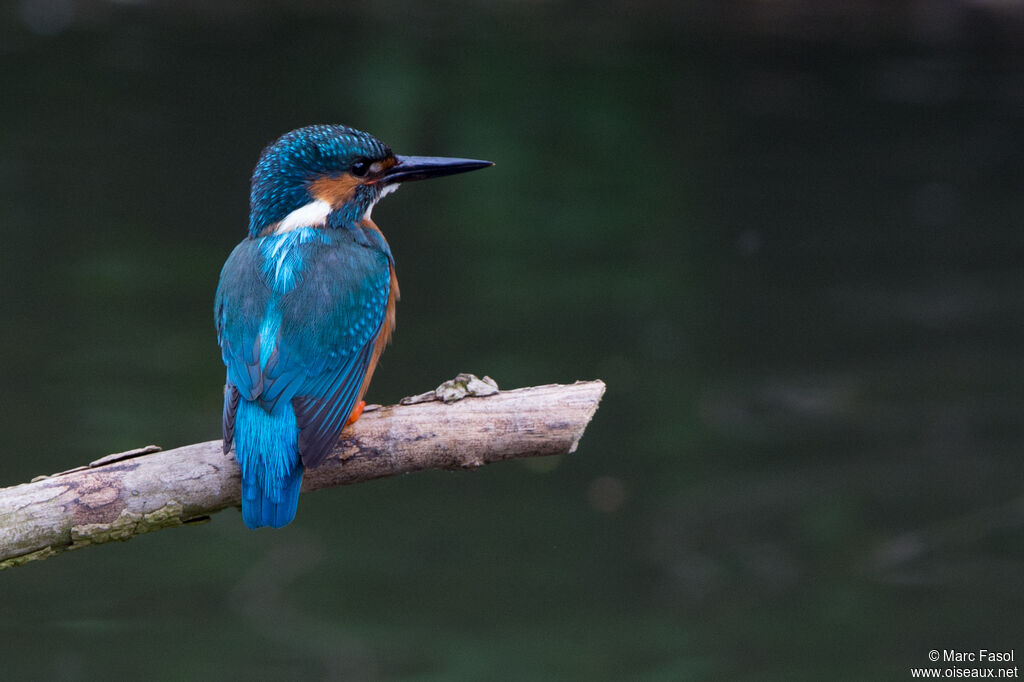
<point x="306" y="304"/>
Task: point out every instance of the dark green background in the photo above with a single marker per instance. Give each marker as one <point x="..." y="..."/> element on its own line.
<point x="788" y="240"/>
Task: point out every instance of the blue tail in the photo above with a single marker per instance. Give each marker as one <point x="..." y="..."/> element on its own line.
<point x="267" y="449"/>
<point x="275" y="509"/>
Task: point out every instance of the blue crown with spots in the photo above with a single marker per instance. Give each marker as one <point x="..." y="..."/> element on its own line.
<point x="287" y="167"/>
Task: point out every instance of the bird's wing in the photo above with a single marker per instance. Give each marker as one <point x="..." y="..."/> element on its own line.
<point x="326" y="328"/>
<point x="239" y="306"/>
<point x="348" y="288"/>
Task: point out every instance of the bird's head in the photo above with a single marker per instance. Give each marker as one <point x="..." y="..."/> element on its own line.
<point x="332" y="175"/>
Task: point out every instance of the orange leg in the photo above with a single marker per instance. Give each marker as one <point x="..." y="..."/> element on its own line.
<point x="357" y="411"/>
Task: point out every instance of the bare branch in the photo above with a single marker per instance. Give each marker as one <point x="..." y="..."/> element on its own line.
<point x="120" y="496"/>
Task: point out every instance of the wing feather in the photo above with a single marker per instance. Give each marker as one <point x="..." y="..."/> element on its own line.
<point x="322" y="419"/>
<point x="325" y="339"/>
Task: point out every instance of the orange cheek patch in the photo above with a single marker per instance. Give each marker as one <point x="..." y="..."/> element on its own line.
<point x="386" y="163"/>
<point x="336" y="190"/>
<point x="379" y="167"/>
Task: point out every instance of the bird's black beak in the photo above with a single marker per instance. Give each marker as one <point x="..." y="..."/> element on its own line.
<point x="423" y="167"/>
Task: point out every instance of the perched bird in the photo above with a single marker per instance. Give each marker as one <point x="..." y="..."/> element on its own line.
<point x="306" y="304"/>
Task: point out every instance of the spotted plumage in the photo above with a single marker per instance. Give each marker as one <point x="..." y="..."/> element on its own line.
<point x="306" y="303"/>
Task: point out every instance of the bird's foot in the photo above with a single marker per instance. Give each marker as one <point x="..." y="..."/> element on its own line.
<point x="357" y="411"/>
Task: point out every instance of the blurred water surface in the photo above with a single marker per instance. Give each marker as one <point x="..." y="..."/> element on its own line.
<point x="795" y="262"/>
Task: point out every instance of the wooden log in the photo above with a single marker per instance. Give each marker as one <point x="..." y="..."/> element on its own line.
<point x="120" y="496"/>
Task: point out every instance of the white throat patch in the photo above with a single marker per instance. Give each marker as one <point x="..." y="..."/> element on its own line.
<point x="388" y="189"/>
<point x="313" y="214"/>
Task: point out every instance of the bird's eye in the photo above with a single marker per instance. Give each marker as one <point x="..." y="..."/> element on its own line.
<point x="360" y="168"/>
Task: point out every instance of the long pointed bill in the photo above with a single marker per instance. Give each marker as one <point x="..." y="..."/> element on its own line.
<point x="411" y="168"/>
